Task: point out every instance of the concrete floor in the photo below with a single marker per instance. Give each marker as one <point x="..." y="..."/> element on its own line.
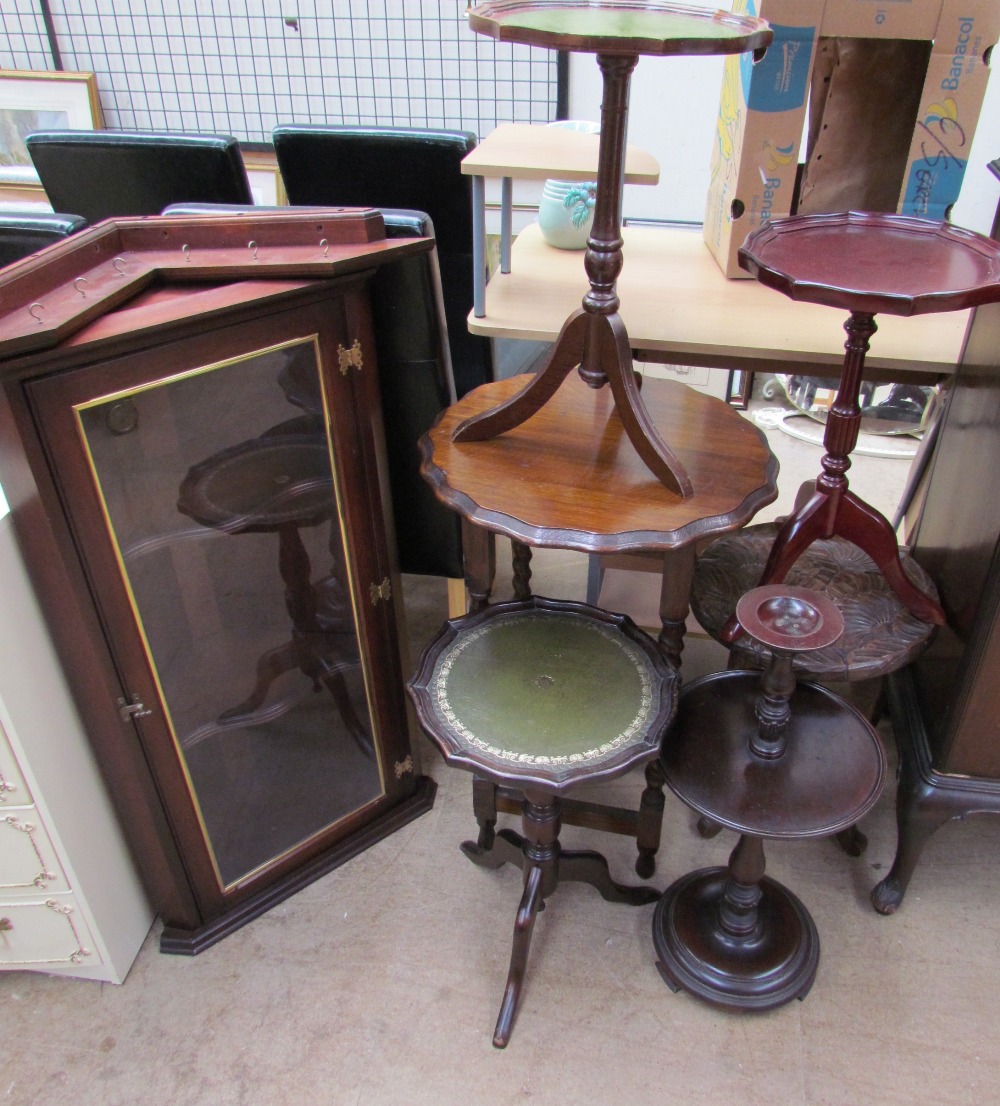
<point x="381" y="982"/>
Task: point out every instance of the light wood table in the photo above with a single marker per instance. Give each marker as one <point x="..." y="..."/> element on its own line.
<point x="530" y="152"/>
<point x="680" y="309"/>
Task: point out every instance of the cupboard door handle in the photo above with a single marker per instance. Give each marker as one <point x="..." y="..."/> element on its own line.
<point x="135" y="709"/>
<point x="6" y="925"/>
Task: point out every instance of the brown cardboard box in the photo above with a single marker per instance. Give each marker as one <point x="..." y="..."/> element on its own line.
<point x="759" y="129"/>
<point x="893" y="91"/>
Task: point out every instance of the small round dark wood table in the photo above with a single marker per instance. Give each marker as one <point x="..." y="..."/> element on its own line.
<point x="864" y="263"/>
<point x="570" y="478"/>
<point x="880" y="634"/>
<point x="546" y="695"/>
<point x="594" y="337"/>
<point x="769" y="759"/>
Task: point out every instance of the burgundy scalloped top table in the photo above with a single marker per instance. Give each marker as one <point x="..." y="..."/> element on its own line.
<point x="594" y="338"/>
<point x="864" y="263"/>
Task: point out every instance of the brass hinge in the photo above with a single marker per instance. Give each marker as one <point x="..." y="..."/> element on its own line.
<point x="380" y="591"/>
<point x="350" y="357"/>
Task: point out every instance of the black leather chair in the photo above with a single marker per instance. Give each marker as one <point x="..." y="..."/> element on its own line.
<point x="399" y="167"/>
<point x="103" y="174"/>
<point x="416" y="385"/>
<point x="412" y="340"/>
<point x="25" y="230"/>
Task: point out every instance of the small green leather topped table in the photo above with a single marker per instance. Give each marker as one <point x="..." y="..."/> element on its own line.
<point x="516" y="692"/>
<point x="594" y="338"/>
<point x="544" y="695"/>
<point x="569" y="478"/>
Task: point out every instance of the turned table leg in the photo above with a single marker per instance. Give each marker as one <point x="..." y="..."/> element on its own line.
<point x="479" y="562"/>
<point x="594" y="338"/>
<point x="833" y="510"/>
<point x="540" y="822"/>
<point x="675" y="602"/>
<point x="734" y="937"/>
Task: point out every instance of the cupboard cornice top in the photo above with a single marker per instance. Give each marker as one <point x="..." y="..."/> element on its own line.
<point x="51" y="295"/>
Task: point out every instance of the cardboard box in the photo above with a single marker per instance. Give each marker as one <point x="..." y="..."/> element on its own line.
<point x="890" y="116"/>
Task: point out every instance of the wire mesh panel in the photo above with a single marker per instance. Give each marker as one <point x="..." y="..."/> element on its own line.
<point x="25" y="43"/>
<point x="243" y="68"/>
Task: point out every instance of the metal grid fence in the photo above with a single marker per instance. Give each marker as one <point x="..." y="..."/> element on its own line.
<point x="243" y="68"/>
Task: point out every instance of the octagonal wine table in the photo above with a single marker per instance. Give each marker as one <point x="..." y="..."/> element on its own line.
<point x="864" y="263"/>
<point x="594" y="337"/>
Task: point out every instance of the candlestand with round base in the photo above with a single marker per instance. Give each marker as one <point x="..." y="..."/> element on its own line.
<point x="770" y="758"/>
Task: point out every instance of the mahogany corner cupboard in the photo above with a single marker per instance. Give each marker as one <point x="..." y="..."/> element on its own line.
<point x="191" y="445"/>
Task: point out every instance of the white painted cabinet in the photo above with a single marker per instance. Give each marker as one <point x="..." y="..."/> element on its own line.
<point x="70" y="900"/>
<point x="713" y="382"/>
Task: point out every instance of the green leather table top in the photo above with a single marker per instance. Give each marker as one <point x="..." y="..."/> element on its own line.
<point x="545" y="688"/>
<point x="619" y="26"/>
<point x="657" y="23"/>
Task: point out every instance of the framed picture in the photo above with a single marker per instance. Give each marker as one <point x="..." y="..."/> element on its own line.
<point x="38" y="101"/>
<point x="265" y="180"/>
<point x="739" y="388"/>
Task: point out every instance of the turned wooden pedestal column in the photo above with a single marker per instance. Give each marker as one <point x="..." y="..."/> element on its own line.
<point x="769" y="758"/>
<point x="594" y="337"/>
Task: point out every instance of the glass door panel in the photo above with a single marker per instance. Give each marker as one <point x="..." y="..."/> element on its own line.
<point x="222" y="507"/>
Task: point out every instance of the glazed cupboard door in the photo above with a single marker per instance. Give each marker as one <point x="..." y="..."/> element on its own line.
<point x="223" y="496"/>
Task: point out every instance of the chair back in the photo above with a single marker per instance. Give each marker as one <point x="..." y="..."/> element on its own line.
<point x="25" y="230"/>
<point x="399" y="167"/>
<point x="415" y="384"/>
<point x="105" y="174"/>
